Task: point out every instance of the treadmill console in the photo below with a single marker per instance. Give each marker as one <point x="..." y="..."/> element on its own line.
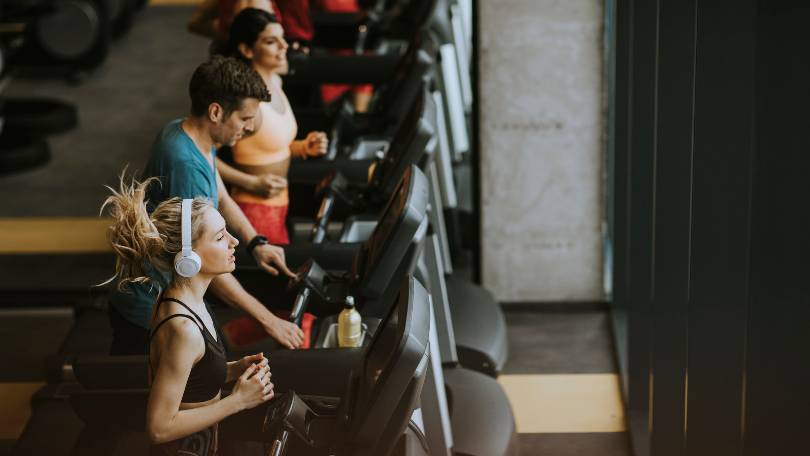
<point x="388" y="221"/>
<point x="393" y="371"/>
<point x="396" y="231"/>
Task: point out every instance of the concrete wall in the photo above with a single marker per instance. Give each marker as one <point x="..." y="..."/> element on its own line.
<point x="540" y="88"/>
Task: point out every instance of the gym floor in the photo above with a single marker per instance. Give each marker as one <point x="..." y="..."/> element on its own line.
<point x="561" y="377"/>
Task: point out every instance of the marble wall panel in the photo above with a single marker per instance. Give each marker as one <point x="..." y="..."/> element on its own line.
<point x="541" y="127"/>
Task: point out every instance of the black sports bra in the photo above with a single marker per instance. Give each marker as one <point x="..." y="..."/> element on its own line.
<point x="209" y="373"/>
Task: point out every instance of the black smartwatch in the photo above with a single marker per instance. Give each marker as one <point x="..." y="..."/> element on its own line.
<point x="257" y="240"/>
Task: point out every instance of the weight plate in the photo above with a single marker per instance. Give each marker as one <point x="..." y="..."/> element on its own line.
<point x="70" y="30"/>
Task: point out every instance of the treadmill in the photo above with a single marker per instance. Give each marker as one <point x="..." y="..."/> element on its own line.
<point x="479" y="324"/>
<point x="356" y="401"/>
<point x="360" y="162"/>
<point x="377" y="51"/>
<point x="371" y="265"/>
<point x="460" y="423"/>
<point x="388" y="104"/>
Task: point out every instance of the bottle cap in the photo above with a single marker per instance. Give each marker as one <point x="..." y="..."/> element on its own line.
<point x="349" y="301"/>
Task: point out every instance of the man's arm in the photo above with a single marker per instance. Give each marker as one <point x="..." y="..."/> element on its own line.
<point x="233" y="214"/>
<point x="228" y="289"/>
<point x="265" y="255"/>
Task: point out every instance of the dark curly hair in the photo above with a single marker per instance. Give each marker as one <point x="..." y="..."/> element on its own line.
<point x="245" y="29"/>
<point x="227" y="81"/>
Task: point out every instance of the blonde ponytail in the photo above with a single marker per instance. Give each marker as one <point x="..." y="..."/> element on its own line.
<point x="141" y="240"/>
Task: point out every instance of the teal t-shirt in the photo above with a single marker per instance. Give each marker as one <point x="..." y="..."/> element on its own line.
<point x="184" y="172"/>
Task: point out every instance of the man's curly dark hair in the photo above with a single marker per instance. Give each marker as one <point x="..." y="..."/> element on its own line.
<point x="227" y="81"/>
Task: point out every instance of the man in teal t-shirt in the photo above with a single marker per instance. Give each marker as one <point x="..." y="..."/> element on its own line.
<point x="225" y="96"/>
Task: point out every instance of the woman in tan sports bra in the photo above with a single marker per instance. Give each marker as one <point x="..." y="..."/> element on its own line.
<point x="263" y="158"/>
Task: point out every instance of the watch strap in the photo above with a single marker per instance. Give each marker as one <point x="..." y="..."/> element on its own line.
<point x="256" y="241"/>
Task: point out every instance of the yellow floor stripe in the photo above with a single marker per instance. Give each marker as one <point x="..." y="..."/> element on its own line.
<point x="565" y="403"/>
<point x="53" y="235"/>
<point x="15" y="407"/>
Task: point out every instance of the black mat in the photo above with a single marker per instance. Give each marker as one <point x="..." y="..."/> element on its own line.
<point x="559" y="343"/>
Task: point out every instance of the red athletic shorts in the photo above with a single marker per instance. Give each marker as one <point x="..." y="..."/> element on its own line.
<point x="271" y="221"/>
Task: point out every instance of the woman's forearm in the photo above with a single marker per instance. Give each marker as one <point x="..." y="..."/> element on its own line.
<point x="187" y="422"/>
<point x="298" y="148"/>
<point x="234" y="176"/>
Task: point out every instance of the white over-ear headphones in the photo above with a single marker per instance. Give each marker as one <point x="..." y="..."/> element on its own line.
<point x="187" y="263"/>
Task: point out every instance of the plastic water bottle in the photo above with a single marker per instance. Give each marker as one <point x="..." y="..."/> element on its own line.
<point x="349" y="325"/>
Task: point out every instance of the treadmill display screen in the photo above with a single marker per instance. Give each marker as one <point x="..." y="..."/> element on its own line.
<point x="400" y="143"/>
<point x="383" y="348"/>
<point x="383" y="231"/>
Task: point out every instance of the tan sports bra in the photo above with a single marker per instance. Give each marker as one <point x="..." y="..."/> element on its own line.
<point x="268" y="148"/>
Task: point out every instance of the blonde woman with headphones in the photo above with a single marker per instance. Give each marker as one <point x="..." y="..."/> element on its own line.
<point x="187" y="365"/>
